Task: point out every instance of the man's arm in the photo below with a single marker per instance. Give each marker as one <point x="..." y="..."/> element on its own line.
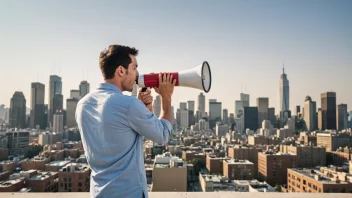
<point x="147" y="124"/>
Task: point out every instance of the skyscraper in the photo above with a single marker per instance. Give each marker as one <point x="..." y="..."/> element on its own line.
<point x="214" y="112"/>
<point x="271" y="116"/>
<point x="37" y="116"/>
<point x="74" y="93"/>
<point x="238" y="108"/>
<point x="263" y="106"/>
<point x="183" y="105"/>
<point x="225" y="116"/>
<point x="157" y="106"/>
<point x="201" y="104"/>
<point x="58" y="102"/>
<point x="245" y="99"/>
<point x="17" y="111"/>
<point x="310" y="114"/>
<point x="184" y="118"/>
<point x="83" y="89"/>
<point x="58" y="122"/>
<point x="342" y="117"/>
<point x="284" y="97"/>
<point x="71" y="105"/>
<point x="55" y="87"/>
<point x="328" y="106"/>
<point x="190" y="105"/>
<point x="298" y="110"/>
<point x="250" y="115"/>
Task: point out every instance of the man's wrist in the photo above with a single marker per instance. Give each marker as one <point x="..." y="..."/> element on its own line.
<point x="167" y="98"/>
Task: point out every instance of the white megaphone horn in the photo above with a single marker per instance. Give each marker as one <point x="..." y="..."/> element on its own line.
<point x="198" y="77"/>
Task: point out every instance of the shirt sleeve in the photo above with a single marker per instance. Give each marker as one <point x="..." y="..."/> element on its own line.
<point x="147" y="124"/>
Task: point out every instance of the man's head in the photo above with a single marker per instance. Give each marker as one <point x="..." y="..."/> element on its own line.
<point x="118" y="64"/>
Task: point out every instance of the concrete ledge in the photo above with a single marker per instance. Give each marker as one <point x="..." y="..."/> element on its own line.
<point x="187" y="195"/>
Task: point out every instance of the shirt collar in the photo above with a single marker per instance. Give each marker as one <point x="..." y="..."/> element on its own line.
<point x="109" y="86"/>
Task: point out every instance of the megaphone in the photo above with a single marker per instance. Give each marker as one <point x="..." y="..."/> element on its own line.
<point x="198" y="77"/>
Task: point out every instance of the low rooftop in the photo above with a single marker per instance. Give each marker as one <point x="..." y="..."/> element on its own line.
<point x="8" y="183"/>
<point x="319" y="176"/>
<point x="234" y="161"/>
<point x="74" y="167"/>
<point x="42" y="175"/>
<point x="57" y="163"/>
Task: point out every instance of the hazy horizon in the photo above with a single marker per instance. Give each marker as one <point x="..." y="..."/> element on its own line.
<point x="245" y="42"/>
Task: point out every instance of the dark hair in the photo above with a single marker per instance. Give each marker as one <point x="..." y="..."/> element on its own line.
<point x="113" y="57"/>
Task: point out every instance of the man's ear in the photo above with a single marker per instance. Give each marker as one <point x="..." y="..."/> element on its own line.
<point x="120" y="71"/>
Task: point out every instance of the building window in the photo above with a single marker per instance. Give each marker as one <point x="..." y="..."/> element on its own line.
<point x="304" y="182"/>
<point x="79" y="184"/>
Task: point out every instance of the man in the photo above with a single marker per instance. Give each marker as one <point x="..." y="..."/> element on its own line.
<point x="112" y="125"/>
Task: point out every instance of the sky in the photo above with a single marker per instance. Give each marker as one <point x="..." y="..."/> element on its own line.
<point x="245" y="42"/>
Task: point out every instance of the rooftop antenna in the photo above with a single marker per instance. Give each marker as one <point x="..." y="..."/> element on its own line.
<point x="283" y="67"/>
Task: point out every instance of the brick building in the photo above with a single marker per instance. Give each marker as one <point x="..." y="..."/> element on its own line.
<point x="43" y="182"/>
<point x="272" y="167"/>
<point x="307" y="156"/>
<point x="215" y="164"/>
<point x="238" y="169"/>
<point x="318" y="181"/>
<point x="74" y="178"/>
<point x="246" y="153"/>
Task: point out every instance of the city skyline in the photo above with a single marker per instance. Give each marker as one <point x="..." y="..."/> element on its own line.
<point x="244" y="43"/>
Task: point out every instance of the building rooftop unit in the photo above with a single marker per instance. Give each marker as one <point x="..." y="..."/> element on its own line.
<point x="277" y="153"/>
<point x="168" y="161"/>
<point x="261" y="186"/>
<point x="74" y="167"/>
<point x="6" y="162"/>
<point x="57" y="163"/>
<point x="42" y="175"/>
<point x="236" y="161"/>
<point x="215" y="178"/>
<point x="7" y="183"/>
<point x="36" y="159"/>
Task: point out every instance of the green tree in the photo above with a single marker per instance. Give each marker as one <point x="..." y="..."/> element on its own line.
<point x="278" y="188"/>
<point x="198" y="164"/>
<point x="34" y="151"/>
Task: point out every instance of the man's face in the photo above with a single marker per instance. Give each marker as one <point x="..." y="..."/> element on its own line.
<point x="131" y="75"/>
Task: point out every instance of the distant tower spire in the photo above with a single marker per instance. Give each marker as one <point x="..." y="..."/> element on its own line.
<point x="283" y="67"/>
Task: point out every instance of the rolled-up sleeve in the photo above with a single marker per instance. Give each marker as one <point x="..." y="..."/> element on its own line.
<point x="147" y="124"/>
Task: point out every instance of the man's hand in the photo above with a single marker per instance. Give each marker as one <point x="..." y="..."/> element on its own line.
<point x="165" y="90"/>
<point x="166" y="85"/>
<point x="147" y="98"/>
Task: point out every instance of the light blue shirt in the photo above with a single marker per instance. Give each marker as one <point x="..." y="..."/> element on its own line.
<point x="112" y="126"/>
